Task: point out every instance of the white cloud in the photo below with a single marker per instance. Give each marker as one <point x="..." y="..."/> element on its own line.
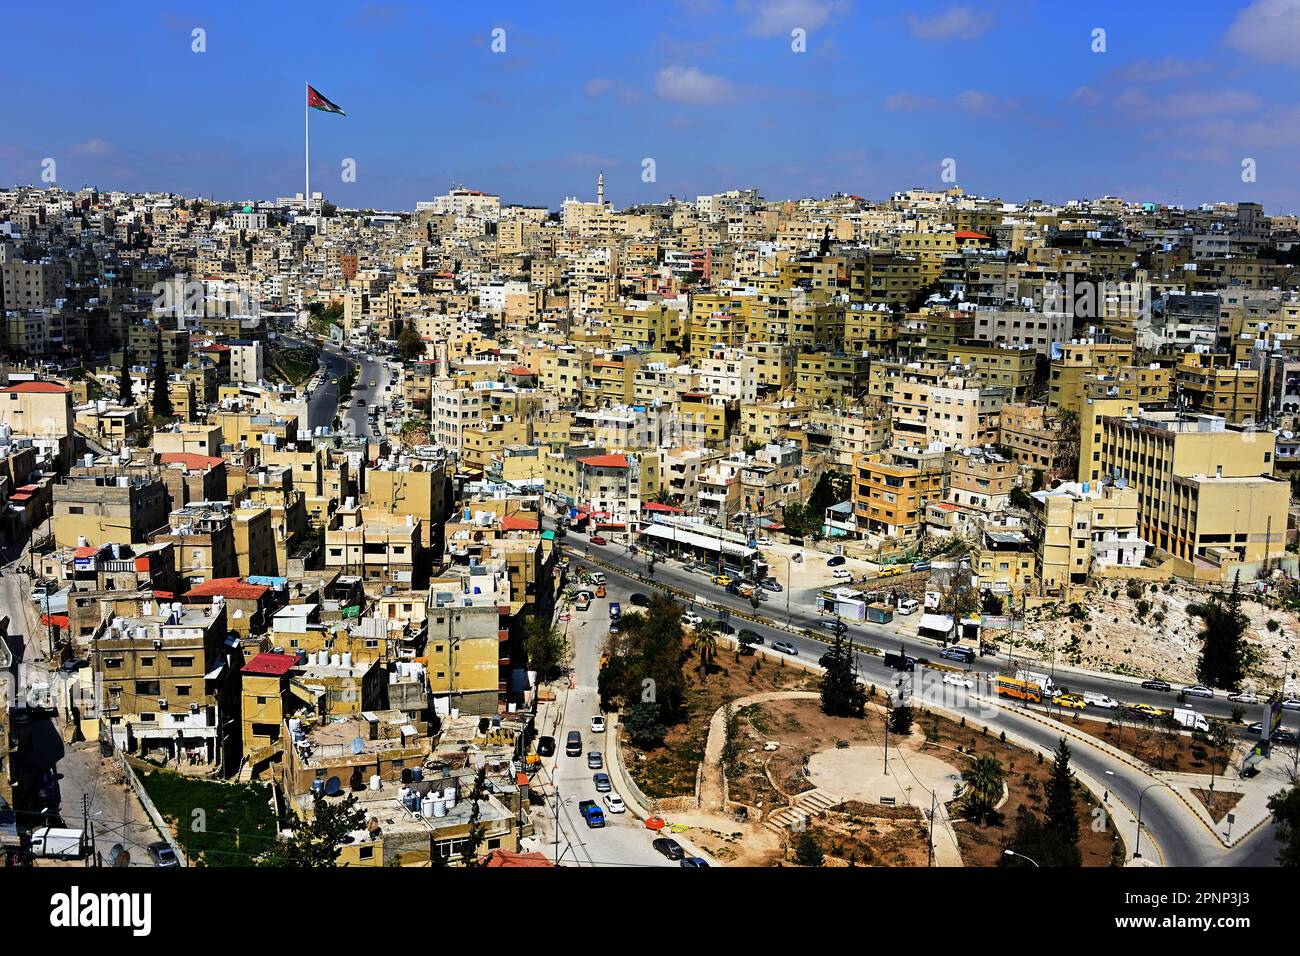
<point x="597" y="85"/>
<point x="911" y="102"/>
<point x="1086" y="96"/>
<point x="955" y="23"/>
<point x="688" y="84"/>
<point x="1158" y="71"/>
<point x="93" y="147"/>
<point x="975" y="101"/>
<point x="1188" y="104"/>
<point x="1269" y="30"/>
<point x="778" y="17"/>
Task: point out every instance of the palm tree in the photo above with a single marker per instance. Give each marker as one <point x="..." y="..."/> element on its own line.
<point x="983" y="780"/>
<point x="705" y="642"/>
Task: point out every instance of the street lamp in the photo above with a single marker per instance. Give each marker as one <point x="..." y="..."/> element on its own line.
<point x="1137" y="844"/>
<point x="1021" y="855"/>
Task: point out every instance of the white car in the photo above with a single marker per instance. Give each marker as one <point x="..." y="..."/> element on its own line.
<point x="598" y="724"/>
<point x="1243" y="698"/>
<point x="692" y="619"/>
<point x="956" y="680"/>
<point x="842" y="574"/>
<point x="1093" y="699"/>
<point x="764" y="542"/>
<point x="1291" y="703"/>
<point x="614" y="803"/>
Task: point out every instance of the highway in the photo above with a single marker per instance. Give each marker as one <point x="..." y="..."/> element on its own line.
<point x="1176" y="837"/>
<point x="802" y="615"/>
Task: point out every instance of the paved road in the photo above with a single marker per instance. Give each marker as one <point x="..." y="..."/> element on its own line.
<point x="1171" y="833"/>
<point x="623" y="841"/>
<point x="802" y="614"/>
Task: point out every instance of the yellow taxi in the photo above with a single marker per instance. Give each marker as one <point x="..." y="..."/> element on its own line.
<point x="1070" y="700"/>
<point x="721" y="580"/>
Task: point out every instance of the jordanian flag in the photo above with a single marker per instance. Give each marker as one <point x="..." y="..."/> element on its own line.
<point x="318" y="102"/>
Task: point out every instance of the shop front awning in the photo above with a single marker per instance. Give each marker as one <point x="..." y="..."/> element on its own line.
<point x="940" y="623"/>
<point x="681" y="536"/>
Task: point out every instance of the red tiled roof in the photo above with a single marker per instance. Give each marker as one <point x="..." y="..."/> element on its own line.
<point x="506" y="858"/>
<point x="605" y="461"/>
<point x="215" y="347"/>
<point x="189" y="460"/>
<point x="228" y="588"/>
<point x="270" y="665"/>
<point x="658" y="506"/>
<point x="967" y="234"/>
<point x="519" y="370"/>
<point x="50" y="388"/>
<point x="518" y="523"/>
<point x="86" y="552"/>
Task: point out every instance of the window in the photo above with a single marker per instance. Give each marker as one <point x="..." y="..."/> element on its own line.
<point x="183" y="690"/>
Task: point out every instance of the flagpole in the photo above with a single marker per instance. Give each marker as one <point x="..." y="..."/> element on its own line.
<point x="306" y="132"/>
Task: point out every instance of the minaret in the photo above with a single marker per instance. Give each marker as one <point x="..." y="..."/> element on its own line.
<point x="600" y="189"/>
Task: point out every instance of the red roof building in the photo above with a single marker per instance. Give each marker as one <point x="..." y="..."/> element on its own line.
<point x="604" y="461"/>
<point x="232" y="589"/>
<point x="49" y="388"/>
<point x="270" y="665"/>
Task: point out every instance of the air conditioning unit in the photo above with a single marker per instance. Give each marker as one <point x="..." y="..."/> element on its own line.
<point x="162" y="703"/>
<point x="194" y="708"/>
<point x="157" y="645"/>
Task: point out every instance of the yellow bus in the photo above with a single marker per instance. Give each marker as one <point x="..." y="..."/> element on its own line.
<point x="1019" y="689"/>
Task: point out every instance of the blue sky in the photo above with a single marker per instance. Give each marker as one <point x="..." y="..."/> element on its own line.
<point x="709" y="89"/>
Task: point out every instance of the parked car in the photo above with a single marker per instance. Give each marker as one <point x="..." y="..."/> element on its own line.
<point x="691" y="619"/>
<point x="595" y="761"/>
<point x="694" y="861"/>
<point x="785" y="647"/>
<point x="669" y="848"/>
<point x="601" y="781"/>
<point x="908" y="606"/>
<point x="842" y="574"/>
<point x="1100" y="700"/>
<point x="1157" y="684"/>
<point x="1071" y="701"/>
<point x="614" y="803"/>
<point x="836" y="561"/>
<point x="1198" y="690"/>
<point x="1291" y="703"/>
<point x="1256" y="728"/>
<point x="1141" y="711"/>
<point x="598" y="724"/>
<point x="640" y="600"/>
<point x="771" y="585"/>
<point x="1281" y="736"/>
<point x="573" y="744"/>
<point x="597" y="539"/>
<point x="546" y="746"/>
<point x="162" y="854"/>
<point x="1243" y="698"/>
<point x="721" y="580"/>
<point x="962" y="654"/>
<point x="764" y="542"/>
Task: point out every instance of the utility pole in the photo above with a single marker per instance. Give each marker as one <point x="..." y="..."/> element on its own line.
<point x="933" y="800"/>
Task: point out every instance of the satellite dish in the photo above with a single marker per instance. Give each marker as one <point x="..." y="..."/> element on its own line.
<point x="358" y="745"/>
<point x="333" y="787"/>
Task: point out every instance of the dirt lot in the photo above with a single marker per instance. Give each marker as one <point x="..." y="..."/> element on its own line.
<point x="670" y="770"/>
<point x="1026" y="779"/>
<point x="1218" y="802"/>
<point x="1155" y="746"/>
<point x="1113" y="631"/>
<point x="858" y="834"/>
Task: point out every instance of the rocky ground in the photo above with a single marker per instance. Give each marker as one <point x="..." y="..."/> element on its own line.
<point x="1146" y="630"/>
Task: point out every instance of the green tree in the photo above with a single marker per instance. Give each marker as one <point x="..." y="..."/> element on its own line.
<point x="704" y="642"/>
<point x="808" y="852"/>
<point x="544" y="647"/>
<point x="843" y="695"/>
<point x="1223" y="641"/>
<point x="1285" y="807"/>
<point x="643" y="726"/>
<point x="900" y="720"/>
<point x="983" y="780"/>
<point x="1062" y="813"/>
<point x="474" y="838"/>
<point x="125" y="393"/>
<point x="162" y="400"/>
<point x="991" y="603"/>
<point x="409" y="344"/>
<point x="316" y="842"/>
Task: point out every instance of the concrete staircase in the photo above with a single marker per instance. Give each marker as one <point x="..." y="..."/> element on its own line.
<point x="807" y="805"/>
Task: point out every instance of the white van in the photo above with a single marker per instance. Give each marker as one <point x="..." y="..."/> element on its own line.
<point x="598" y="577"/>
<point x="1093" y="699"/>
<point x="908" y="606"/>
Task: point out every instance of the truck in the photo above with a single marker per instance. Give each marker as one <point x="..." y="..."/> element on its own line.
<point x="1042" y="680"/>
<point x="1191" y="719"/>
<point x="592" y="813"/>
<point x="615" y="610"/>
<point x="59" y="843"/>
<point x="900" y="662"/>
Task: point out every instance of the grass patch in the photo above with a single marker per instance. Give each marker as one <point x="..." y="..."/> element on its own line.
<point x="216" y="824"/>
